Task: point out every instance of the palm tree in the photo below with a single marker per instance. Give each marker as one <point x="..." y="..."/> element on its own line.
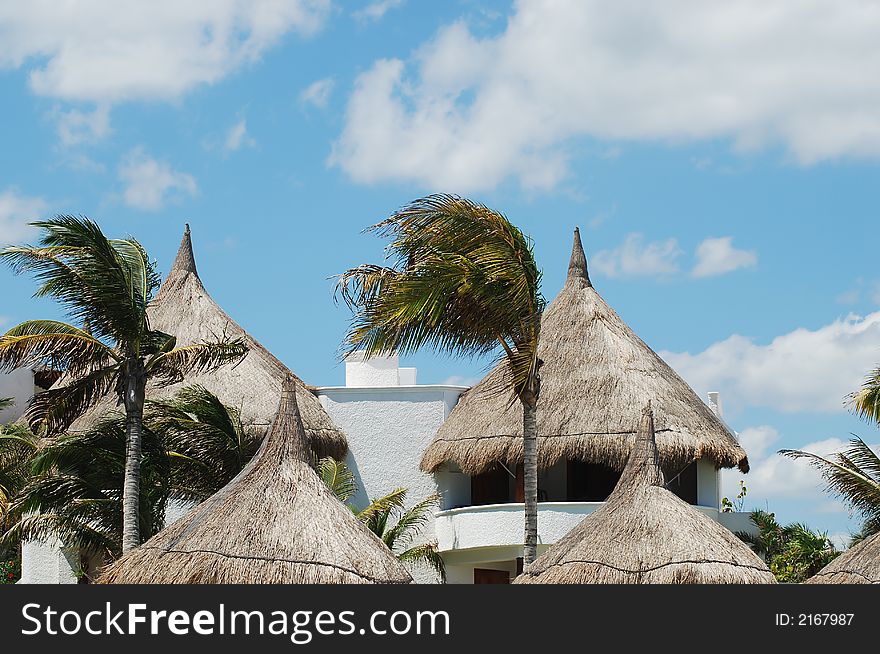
<point x="205" y="438"/>
<point x="72" y="486"/>
<point x="793" y="552"/>
<point x="852" y="475"/>
<point x="463" y="280"/>
<point x="106" y="285"/>
<point x="387" y="517"/>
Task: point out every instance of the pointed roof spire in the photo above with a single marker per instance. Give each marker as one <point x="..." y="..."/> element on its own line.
<point x="643" y="466"/>
<point x="577" y="267"/>
<point x="185" y="262"/>
<point x="286" y="432"/>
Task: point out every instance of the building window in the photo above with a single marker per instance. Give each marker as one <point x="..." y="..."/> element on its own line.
<point x="684" y="484"/>
<point x="589" y="482"/>
<point x="491" y="487"/>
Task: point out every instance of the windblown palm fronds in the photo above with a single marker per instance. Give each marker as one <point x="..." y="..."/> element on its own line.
<point x="381" y="512"/>
<point x="853" y="475"/>
<point x="107" y="286"/>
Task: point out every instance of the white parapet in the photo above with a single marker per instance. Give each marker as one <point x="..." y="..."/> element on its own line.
<point x="48" y="562"/>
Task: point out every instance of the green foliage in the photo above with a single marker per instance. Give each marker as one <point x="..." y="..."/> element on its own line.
<point x="71" y="486"/>
<point x="10" y="570"/>
<point x="793" y="552"/>
<point x="735" y="505"/>
<point x="462" y="280"/>
<point x="387" y="517"/>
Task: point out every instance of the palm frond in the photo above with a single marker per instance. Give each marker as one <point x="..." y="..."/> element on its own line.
<point x="55" y="344"/>
<point x="412" y="521"/>
<point x="866" y="402"/>
<point x="338" y="478"/>
<point x="105" y="284"/>
<point x="425" y="554"/>
<point x="386" y="504"/>
<point x="463" y="280"/>
<point x="57" y="408"/>
<point x="852" y="475"/>
<point x="172" y="366"/>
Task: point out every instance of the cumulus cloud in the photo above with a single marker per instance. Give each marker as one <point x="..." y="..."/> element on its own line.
<point x="318" y="93"/>
<point x="716" y="256"/>
<point x="149" y="183"/>
<point x="97" y="51"/>
<point x="376" y="10"/>
<point x="635" y="258"/>
<point x="237" y="137"/>
<point x="803" y="370"/>
<point x="76" y="126"/>
<point x="16" y="211"/>
<point x="467" y="112"/>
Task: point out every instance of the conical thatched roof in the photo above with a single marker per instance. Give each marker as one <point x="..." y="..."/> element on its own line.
<point x="184" y="309"/>
<point x="645" y="534"/>
<point x="595" y="371"/>
<point x="860" y="564"/>
<point x="276" y="522"/>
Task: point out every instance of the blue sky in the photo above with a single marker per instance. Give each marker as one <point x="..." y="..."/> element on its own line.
<point x="720" y="159"/>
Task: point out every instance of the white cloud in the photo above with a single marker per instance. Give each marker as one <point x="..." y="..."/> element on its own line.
<point x="467" y="112"/>
<point x="634" y="258"/>
<point x="459" y="380"/>
<point x="104" y="52"/>
<point x="149" y="183"/>
<point x="375" y="10"/>
<point x="237" y="137"/>
<point x="16" y="211"/>
<point x="803" y="370"/>
<point x="318" y="93"/>
<point x="716" y="256"/>
<point x="76" y="126"/>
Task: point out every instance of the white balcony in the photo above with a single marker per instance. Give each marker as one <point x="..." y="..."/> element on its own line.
<point x="500" y="525"/>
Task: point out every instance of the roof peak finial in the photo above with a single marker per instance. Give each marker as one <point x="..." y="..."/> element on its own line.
<point x="643" y="466"/>
<point x="185" y="262"/>
<point x="577" y="266"/>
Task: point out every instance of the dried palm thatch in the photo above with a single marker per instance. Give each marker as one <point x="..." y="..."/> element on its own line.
<point x="183" y="308"/>
<point x="860" y="564"/>
<point x="276" y="522"/>
<point x="645" y="534"/>
<point x="595" y="371"/>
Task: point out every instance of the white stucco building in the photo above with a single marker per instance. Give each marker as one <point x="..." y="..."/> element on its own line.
<point x="390" y="420"/>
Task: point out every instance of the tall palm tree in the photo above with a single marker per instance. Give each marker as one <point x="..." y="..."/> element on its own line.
<point x="463" y="280"/>
<point x="106" y="285"/>
<point x="387" y="517"/>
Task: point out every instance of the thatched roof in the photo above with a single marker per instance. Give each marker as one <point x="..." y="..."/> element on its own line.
<point x="276" y="522"/>
<point x="645" y="534"/>
<point x="183" y="308"/>
<point x="860" y="564"/>
<point x="595" y="371"/>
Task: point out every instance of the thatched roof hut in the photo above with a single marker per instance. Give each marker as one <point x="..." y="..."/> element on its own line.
<point x="645" y="534"/>
<point x="860" y="564"/>
<point x="276" y="522"/>
<point x="595" y="371"/>
<point x="183" y="308"/>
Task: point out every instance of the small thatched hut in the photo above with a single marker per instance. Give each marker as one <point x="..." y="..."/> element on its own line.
<point x="183" y="308"/>
<point x="595" y="371"/>
<point x="644" y="534"/>
<point x="860" y="564"/>
<point x="276" y="522"/>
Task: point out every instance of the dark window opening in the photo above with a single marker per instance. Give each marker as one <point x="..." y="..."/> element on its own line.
<point x="684" y="484"/>
<point x="484" y="576"/>
<point x="590" y="482"/>
<point x="491" y="487"/>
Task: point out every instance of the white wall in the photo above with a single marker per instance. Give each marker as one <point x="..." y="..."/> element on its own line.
<point x="707" y="483"/>
<point x="388" y="429"/>
<point x="48" y="562"/>
<point x="19" y="385"/>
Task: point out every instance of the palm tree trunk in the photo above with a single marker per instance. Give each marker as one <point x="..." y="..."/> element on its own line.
<point x="530" y="481"/>
<point x="135" y="392"/>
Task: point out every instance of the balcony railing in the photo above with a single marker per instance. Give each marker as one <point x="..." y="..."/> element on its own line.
<point x="498" y="525"/>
